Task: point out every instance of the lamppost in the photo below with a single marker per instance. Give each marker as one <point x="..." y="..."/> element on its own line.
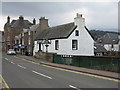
<point x="46" y="47"/>
<point x="46" y="44"/>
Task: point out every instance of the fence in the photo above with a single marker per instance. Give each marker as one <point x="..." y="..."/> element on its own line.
<point x="100" y="63"/>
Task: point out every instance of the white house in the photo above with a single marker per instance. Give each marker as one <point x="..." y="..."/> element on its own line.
<point x="68" y="39"/>
<point x="110" y="41"/>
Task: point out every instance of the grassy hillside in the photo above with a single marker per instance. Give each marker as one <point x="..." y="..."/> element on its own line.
<point x="97" y="33"/>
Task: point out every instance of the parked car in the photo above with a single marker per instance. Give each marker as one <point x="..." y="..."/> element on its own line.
<point x="11" y="52"/>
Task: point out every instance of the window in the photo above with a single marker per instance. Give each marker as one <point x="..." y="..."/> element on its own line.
<point x="74" y="45"/>
<point x="56" y="45"/>
<point x="39" y="46"/>
<point x="112" y="46"/>
<point x="76" y="33"/>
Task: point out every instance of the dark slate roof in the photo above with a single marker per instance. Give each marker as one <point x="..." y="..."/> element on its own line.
<point x="7" y="25"/>
<point x="13" y="21"/>
<point x="17" y="23"/>
<point x="57" y="32"/>
<point x="98" y="48"/>
<point x="119" y="48"/>
<point x="109" y="38"/>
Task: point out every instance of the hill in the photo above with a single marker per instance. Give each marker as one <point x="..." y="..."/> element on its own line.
<point x="99" y="33"/>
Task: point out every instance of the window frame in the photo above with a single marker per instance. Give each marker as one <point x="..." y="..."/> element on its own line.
<point x="77" y="33"/>
<point x="56" y="44"/>
<point x="75" y="47"/>
<point x="40" y="49"/>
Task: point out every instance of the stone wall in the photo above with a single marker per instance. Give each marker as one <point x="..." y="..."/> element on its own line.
<point x="45" y="56"/>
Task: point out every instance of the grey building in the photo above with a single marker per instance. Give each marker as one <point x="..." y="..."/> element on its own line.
<point x="110" y="41"/>
<point x="99" y="50"/>
<point x="27" y="36"/>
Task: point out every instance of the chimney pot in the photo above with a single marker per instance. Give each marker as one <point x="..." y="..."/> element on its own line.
<point x="8" y="19"/>
<point x="34" y="21"/>
<point x="21" y="17"/>
<point x="79" y="15"/>
<point x="43" y="22"/>
<point x="42" y="17"/>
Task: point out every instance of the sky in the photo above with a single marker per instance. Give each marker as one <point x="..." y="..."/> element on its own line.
<point x="98" y="15"/>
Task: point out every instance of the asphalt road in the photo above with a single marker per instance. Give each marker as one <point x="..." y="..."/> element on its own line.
<point x="19" y="73"/>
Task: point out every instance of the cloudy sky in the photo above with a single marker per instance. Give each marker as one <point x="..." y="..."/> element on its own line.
<point x="98" y="15"/>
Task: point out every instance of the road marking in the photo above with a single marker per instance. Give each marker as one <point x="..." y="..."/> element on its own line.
<point x="12" y="62"/>
<point x="21" y="66"/>
<point x="27" y="60"/>
<point x="101" y="77"/>
<point x="6" y="85"/>
<point x="42" y="74"/>
<point x="74" y="87"/>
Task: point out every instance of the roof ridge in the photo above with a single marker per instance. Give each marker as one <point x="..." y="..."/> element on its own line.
<point x="57" y="32"/>
<point x="60" y="25"/>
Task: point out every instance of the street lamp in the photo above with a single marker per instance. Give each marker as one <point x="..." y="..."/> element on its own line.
<point x="46" y="44"/>
<point x="46" y="47"/>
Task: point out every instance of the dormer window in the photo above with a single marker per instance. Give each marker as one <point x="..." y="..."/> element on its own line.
<point x="100" y="41"/>
<point x="76" y="33"/>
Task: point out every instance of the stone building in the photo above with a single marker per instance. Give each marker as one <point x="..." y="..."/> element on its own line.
<point x="12" y="29"/>
<point x="27" y="36"/>
<point x="1" y="40"/>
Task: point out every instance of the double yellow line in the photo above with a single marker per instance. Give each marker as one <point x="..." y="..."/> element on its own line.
<point x="6" y="87"/>
<point x="86" y="74"/>
<point x="27" y="60"/>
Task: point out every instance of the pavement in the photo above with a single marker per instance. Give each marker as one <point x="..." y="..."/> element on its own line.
<point x="79" y="69"/>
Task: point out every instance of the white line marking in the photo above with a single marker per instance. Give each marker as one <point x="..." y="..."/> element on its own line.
<point x="21" y="66"/>
<point x="42" y="74"/>
<point x="12" y="62"/>
<point x="74" y="87"/>
<point x="6" y="58"/>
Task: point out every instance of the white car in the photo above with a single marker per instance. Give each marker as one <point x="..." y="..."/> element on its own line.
<point x="11" y="52"/>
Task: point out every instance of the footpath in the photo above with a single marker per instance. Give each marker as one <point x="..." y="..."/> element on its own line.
<point x="79" y="69"/>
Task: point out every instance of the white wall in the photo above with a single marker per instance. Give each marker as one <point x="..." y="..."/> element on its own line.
<point x="108" y="47"/>
<point x="85" y="42"/>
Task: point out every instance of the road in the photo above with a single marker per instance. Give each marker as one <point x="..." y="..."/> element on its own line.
<point x="19" y="73"/>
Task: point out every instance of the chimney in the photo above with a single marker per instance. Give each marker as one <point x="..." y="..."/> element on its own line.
<point x="34" y="21"/>
<point x="43" y="23"/>
<point x="8" y="19"/>
<point x="79" y="20"/>
<point x="79" y="15"/>
<point x="21" y="18"/>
